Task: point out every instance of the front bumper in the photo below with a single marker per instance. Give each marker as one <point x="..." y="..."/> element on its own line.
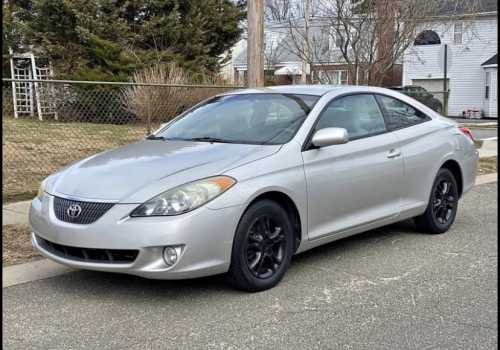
<point x="205" y="235"/>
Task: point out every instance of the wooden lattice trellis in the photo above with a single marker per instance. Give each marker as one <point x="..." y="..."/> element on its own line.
<point x="27" y="96"/>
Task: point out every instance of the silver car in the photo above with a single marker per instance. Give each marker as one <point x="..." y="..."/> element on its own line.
<point x="241" y="182"/>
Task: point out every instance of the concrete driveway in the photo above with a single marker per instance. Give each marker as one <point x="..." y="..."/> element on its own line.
<point x="392" y="288"/>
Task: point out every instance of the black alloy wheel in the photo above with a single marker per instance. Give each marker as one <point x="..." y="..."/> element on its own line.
<point x="262" y="247"/>
<point x="443" y="204"/>
<point x="444" y="201"/>
<point x="265" y="246"/>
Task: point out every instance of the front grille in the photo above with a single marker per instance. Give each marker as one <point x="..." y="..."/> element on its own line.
<point x="106" y="256"/>
<point x="89" y="211"/>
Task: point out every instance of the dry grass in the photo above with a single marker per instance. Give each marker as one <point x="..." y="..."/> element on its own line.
<point x="16" y="245"/>
<point x="488" y="165"/>
<point x="33" y="150"/>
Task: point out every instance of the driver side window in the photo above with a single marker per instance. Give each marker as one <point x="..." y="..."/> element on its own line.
<point x="358" y="114"/>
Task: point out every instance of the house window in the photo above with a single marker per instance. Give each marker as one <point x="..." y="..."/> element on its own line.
<point x="340" y="77"/>
<point x="427" y="37"/>
<point x="457" y="33"/>
<point x="487" y="87"/>
<point x="334" y="77"/>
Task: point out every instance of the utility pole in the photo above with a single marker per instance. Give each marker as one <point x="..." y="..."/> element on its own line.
<point x="307" y="48"/>
<point x="255" y="43"/>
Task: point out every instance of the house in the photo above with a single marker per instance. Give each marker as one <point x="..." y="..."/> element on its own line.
<point x="286" y="56"/>
<point x="283" y="65"/>
<point x="471" y="41"/>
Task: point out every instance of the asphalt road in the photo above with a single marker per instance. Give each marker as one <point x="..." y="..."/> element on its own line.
<point x="391" y="288"/>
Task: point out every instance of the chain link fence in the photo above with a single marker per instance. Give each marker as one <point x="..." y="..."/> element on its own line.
<point x="49" y="124"/>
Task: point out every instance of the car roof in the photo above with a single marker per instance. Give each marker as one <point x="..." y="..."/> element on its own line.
<point x="320" y="90"/>
<point x="317" y="90"/>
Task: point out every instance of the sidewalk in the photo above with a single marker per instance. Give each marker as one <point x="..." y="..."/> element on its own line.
<point x="488" y="149"/>
<point x="475" y="121"/>
<point x="15" y="213"/>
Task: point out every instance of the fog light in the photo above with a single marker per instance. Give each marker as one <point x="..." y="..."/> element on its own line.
<point x="170" y="255"/>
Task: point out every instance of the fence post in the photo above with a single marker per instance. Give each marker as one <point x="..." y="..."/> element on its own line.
<point x="12" y="74"/>
<point x="445" y="82"/>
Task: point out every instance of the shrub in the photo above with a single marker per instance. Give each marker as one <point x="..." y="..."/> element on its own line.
<point x="422" y="95"/>
<point x="153" y="104"/>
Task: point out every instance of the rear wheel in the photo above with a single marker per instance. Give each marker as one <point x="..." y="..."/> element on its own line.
<point x="262" y="248"/>
<point x="443" y="204"/>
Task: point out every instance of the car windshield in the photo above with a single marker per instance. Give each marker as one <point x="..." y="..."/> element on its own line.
<point x="266" y="118"/>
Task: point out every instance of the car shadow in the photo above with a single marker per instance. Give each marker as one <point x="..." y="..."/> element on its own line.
<point x="123" y="286"/>
<point x="389" y="232"/>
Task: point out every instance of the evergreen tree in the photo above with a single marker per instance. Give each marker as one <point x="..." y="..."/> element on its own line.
<point x="109" y="39"/>
<point x="84" y="39"/>
<point x="198" y="31"/>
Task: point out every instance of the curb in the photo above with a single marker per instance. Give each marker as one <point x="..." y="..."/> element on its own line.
<point x="486" y="179"/>
<point x="32" y="271"/>
<point x="15" y="213"/>
<point x="45" y="268"/>
<point x="479" y="126"/>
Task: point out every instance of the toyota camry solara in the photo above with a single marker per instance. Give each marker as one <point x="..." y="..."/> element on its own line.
<point x="241" y="182"/>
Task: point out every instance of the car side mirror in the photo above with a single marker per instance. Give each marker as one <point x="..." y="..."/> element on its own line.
<point x="330" y="136"/>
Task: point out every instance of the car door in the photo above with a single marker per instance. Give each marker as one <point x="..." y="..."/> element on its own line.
<point x="422" y="144"/>
<point x="358" y="182"/>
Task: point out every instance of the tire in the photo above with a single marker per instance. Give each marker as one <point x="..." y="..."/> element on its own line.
<point x="262" y="247"/>
<point x="443" y="204"/>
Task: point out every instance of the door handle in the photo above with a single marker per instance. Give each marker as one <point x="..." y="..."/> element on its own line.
<point x="393" y="153"/>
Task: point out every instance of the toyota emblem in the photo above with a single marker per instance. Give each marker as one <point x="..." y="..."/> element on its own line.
<point x="74" y="211"/>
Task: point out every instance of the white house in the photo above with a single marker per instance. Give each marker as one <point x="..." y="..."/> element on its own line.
<point x="227" y="71"/>
<point x="472" y="61"/>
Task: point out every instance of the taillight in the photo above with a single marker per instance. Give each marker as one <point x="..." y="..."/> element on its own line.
<point x="467" y="132"/>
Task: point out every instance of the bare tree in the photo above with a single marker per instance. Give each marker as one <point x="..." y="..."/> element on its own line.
<point x="277" y="10"/>
<point x="273" y="51"/>
<point x="369" y="37"/>
<point x="374" y="34"/>
<point x="306" y="39"/>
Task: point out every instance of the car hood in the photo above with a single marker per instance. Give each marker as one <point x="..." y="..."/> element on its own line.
<point x="133" y="172"/>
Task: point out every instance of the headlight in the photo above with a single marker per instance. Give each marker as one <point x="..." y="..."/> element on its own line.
<point x="41" y="190"/>
<point x="185" y="197"/>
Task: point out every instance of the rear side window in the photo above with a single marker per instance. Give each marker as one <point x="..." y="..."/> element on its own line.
<point x="399" y="114"/>
<point x="358" y="114"/>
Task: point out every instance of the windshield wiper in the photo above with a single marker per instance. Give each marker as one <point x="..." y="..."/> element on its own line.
<point x="210" y="139"/>
<point x="154" y="137"/>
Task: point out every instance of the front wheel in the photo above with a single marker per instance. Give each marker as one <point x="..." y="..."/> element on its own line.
<point x="262" y="248"/>
<point x="443" y="204"/>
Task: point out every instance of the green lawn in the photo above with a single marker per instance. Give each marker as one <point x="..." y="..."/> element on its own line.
<point x="33" y="149"/>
